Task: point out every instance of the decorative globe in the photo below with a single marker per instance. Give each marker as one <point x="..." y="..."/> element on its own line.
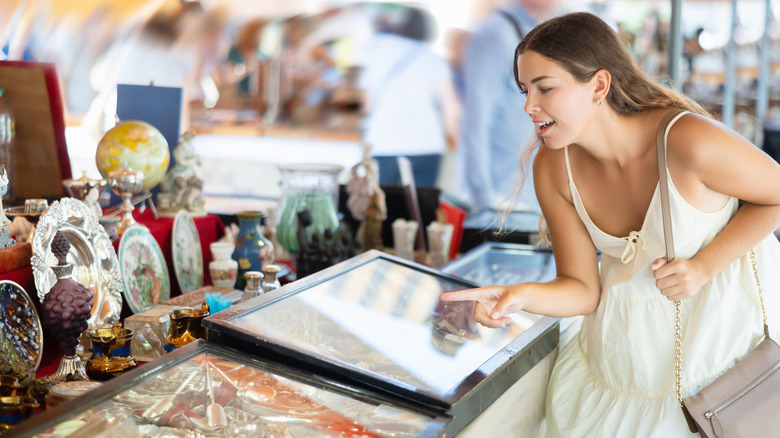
<point x="137" y="145"/>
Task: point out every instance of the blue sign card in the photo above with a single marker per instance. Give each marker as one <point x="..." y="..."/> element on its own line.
<point x="159" y="106"/>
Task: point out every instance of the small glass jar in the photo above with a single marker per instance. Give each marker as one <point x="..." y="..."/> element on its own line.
<point x="312" y="187"/>
<point x="270" y="280"/>
<point x="253" y="285"/>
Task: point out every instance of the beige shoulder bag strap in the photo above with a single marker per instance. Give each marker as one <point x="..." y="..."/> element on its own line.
<point x="663" y="132"/>
<point x="666" y="213"/>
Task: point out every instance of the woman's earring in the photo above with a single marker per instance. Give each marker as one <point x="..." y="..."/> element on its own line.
<point x="598" y="102"/>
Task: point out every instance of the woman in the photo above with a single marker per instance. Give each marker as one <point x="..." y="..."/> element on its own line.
<point x="596" y="179"/>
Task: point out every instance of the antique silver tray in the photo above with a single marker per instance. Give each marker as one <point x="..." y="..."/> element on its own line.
<point x="91" y="251"/>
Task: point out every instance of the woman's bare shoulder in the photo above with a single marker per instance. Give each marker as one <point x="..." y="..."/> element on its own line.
<point x="695" y="137"/>
<point x="550" y="171"/>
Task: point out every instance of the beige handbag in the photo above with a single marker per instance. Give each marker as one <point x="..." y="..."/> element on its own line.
<point x="745" y="401"/>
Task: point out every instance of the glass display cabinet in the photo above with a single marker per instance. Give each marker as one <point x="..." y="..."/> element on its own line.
<point x="203" y="390"/>
<point x="375" y="321"/>
<point x="501" y="263"/>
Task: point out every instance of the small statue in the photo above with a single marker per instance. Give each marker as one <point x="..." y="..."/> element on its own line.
<point x="366" y="203"/>
<point x="66" y="309"/>
<point x="38" y="389"/>
<point x="322" y="250"/>
<point x="5" y="238"/>
<point x="303" y="259"/>
<point x="92" y="191"/>
<point x="182" y="187"/>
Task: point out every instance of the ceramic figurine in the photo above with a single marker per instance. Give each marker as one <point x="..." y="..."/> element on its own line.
<point x="5" y="238"/>
<point x="87" y="190"/>
<point x="91" y="195"/>
<point x="366" y="203"/>
<point x="66" y="309"/>
<point x="182" y="187"/>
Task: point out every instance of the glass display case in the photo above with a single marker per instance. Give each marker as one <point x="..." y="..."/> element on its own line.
<point x="376" y="321"/>
<point x="504" y="263"/>
<point x="210" y="391"/>
<point x="519" y="226"/>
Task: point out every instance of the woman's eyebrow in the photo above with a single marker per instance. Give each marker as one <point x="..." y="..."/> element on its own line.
<point x="535" y="80"/>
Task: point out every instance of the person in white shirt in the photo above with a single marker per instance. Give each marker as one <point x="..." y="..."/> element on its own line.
<point x="409" y="91"/>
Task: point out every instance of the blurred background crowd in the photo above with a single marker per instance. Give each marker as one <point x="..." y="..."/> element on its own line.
<point x="310" y="62"/>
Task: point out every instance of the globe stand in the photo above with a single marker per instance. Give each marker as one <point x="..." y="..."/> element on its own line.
<point x="125" y="183"/>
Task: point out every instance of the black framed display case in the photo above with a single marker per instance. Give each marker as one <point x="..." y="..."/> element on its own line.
<point x="208" y="390"/>
<point x="519" y="226"/>
<point x="503" y="263"/>
<point x="376" y="321"/>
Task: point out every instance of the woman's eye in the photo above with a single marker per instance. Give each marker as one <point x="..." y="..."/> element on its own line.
<point x="544" y="90"/>
<point x="523" y="91"/>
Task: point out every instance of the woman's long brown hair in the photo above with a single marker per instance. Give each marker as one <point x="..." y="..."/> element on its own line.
<point x="582" y="44"/>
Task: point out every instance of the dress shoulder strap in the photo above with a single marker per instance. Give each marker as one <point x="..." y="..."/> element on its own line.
<point x="568" y="166"/>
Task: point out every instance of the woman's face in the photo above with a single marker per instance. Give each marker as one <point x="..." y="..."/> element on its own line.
<point x="558" y="104"/>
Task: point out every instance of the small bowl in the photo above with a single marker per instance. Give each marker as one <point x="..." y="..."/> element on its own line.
<point x="77" y="188"/>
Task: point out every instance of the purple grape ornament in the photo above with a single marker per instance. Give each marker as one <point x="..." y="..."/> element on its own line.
<point x="66" y="309"/>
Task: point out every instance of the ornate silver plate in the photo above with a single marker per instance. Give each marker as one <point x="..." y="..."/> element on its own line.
<point x="91" y="251"/>
<point x="21" y="335"/>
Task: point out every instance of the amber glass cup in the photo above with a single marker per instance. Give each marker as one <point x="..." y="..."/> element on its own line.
<point x="15" y="409"/>
<point x="8" y="385"/>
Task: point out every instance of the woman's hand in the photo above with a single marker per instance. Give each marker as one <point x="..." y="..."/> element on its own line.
<point x="679" y="279"/>
<point x="492" y="305"/>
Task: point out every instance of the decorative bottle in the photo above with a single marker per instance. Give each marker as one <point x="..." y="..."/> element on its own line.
<point x="252" y="250"/>
<point x="270" y="280"/>
<point x="253" y="285"/>
<point x="66" y="309"/>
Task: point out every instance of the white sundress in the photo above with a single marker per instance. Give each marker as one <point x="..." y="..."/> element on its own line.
<point x="616" y="377"/>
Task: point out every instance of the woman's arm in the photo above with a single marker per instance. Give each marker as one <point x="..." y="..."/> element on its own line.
<point x="576" y="288"/>
<point x="709" y="163"/>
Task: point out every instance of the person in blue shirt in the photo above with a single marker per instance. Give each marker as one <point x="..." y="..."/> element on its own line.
<point x="494" y="130"/>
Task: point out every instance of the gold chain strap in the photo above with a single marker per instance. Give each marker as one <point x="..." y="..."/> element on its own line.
<point x="758" y="284"/>
<point x="678" y="330"/>
<point x="677" y="353"/>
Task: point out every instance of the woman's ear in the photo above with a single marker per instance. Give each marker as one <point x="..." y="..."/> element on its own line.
<point x="601" y="82"/>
